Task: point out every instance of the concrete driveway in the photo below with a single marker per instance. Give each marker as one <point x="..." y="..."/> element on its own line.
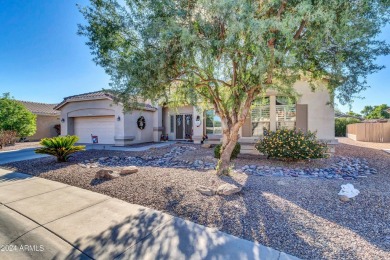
<point x="19" y="155"/>
<point x="27" y="154"/>
<point x="42" y="219"/>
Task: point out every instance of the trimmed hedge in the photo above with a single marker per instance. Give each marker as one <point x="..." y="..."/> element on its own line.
<point x="235" y="153"/>
<point x="341" y="125"/>
<point x="291" y="145"/>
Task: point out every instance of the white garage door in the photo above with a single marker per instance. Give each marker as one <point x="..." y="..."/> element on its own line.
<point x="102" y="126"/>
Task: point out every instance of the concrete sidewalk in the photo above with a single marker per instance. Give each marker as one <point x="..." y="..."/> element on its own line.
<point x="128" y="148"/>
<point x="43" y="219"/>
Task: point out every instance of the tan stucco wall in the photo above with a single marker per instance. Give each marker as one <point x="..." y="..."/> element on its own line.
<point x="176" y="111"/>
<point x="131" y="128"/>
<point x="126" y="130"/>
<point x="45" y="127"/>
<point x="320" y="113"/>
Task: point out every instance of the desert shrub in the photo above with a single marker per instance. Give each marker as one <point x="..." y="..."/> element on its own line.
<point x="291" y="145"/>
<point x="7" y="137"/>
<point x="61" y="147"/>
<point x="236" y="151"/>
<point x="341" y="125"/>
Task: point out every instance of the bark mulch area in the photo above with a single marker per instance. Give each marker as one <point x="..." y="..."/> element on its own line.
<point x="300" y="216"/>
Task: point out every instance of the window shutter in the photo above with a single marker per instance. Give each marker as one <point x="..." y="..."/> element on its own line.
<point x="302" y="117"/>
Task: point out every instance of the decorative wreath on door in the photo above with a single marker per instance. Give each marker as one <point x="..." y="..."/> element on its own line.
<point x="141" y="123"/>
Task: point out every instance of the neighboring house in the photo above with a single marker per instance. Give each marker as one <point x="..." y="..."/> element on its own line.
<point x="47" y="118"/>
<point x="95" y="114"/>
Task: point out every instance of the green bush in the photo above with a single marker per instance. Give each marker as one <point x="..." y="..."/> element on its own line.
<point x="341" y="125"/>
<point x="61" y="147"/>
<point x="291" y="145"/>
<point x="236" y="151"/>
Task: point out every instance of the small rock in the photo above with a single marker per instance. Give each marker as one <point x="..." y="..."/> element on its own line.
<point x="106" y="174"/>
<point x="344" y="198"/>
<point x="82" y="165"/>
<point x="228" y="189"/>
<point x="206" y="145"/>
<point x="205" y="190"/>
<point x="129" y="170"/>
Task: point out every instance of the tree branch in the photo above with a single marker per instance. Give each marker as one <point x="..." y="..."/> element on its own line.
<point x="300" y="29"/>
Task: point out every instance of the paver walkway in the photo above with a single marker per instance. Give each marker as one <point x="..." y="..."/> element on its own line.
<point x="43" y="219"/>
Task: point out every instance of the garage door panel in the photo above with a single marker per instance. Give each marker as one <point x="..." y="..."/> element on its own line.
<point x="103" y="127"/>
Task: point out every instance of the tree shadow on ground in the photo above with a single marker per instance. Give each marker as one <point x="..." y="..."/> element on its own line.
<point x="148" y="235"/>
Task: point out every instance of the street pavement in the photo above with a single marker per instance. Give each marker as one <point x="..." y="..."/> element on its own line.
<point x="19" y="155"/>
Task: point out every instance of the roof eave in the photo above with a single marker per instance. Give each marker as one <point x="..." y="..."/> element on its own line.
<point x="63" y="103"/>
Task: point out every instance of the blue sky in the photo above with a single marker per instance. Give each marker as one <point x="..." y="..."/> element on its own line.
<point x="42" y="58"/>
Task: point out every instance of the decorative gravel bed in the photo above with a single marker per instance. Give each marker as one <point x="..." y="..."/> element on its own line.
<point x="300" y="216"/>
<point x="337" y="167"/>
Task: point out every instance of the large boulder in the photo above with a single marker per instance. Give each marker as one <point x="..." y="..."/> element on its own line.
<point x="205" y="190"/>
<point x="228" y="189"/>
<point x="105" y="174"/>
<point x="129" y="170"/>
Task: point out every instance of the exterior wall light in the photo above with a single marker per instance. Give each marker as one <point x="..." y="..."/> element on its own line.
<point x="62" y="120"/>
<point x="118" y="118"/>
<point x="197" y="121"/>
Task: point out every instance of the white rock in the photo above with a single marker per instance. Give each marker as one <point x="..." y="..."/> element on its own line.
<point x="205" y="190"/>
<point x="349" y="191"/>
<point x="106" y="174"/>
<point x="82" y="165"/>
<point x="228" y="189"/>
<point x="129" y="170"/>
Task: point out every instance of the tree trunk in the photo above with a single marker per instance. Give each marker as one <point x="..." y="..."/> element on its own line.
<point x="229" y="141"/>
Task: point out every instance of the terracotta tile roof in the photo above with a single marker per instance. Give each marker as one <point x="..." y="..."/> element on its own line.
<point x="40" y="108"/>
<point x="85" y="96"/>
<point x="92" y="95"/>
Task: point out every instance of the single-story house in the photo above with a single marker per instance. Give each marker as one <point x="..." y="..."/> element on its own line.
<point x="47" y="118"/>
<point x="95" y="114"/>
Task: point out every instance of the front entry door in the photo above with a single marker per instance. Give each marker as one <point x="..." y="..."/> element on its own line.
<point x="179" y="127"/>
<point x="188" y="126"/>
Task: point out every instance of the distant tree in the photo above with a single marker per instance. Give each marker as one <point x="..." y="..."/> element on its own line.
<point x="14" y="116"/>
<point x="353" y="114"/>
<point x="367" y="110"/>
<point x="227" y="53"/>
<point x="379" y="112"/>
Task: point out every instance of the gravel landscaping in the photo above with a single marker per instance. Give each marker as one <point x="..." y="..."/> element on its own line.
<point x="301" y="215"/>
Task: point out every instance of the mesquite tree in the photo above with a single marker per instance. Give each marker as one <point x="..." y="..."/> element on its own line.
<point x="228" y="52"/>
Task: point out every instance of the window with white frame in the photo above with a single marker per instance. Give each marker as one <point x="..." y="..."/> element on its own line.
<point x="213" y="123"/>
<point x="285" y="113"/>
<point x="260" y="116"/>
